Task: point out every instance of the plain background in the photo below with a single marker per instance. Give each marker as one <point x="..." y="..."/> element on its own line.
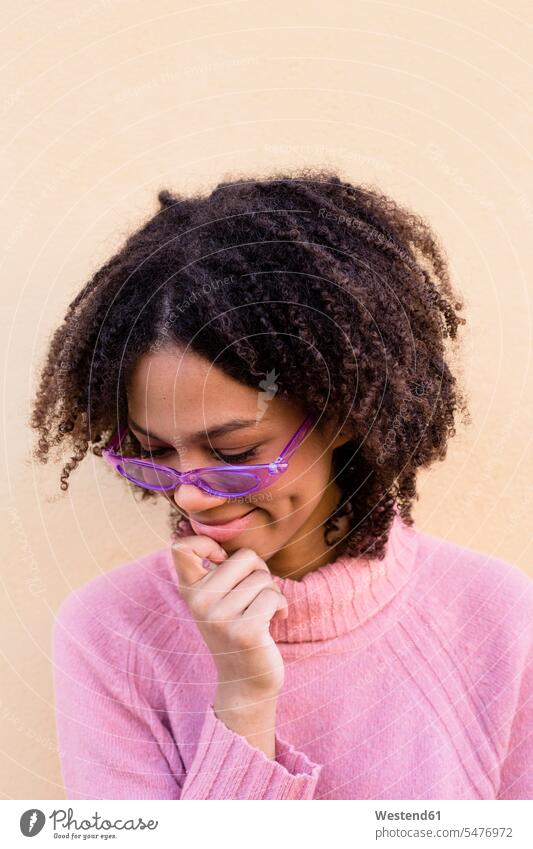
<point x="105" y="103"/>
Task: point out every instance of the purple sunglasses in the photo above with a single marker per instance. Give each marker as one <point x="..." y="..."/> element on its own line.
<point x="228" y="481"/>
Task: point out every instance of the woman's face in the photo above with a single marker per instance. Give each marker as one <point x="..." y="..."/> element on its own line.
<point x="176" y="398"/>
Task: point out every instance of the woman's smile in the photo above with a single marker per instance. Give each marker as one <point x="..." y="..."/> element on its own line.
<point x="223" y="531"/>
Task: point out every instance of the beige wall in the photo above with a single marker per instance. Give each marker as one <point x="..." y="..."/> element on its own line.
<point x="103" y="103"/>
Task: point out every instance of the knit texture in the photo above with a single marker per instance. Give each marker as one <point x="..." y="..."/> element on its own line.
<point x="405" y="678"/>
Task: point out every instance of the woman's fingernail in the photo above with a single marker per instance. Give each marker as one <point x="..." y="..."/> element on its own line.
<point x="208" y="564"/>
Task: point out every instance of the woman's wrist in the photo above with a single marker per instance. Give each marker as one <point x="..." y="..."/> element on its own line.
<point x="251" y="713"/>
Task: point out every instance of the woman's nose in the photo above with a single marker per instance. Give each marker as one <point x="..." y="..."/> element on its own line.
<point x="191" y="499"/>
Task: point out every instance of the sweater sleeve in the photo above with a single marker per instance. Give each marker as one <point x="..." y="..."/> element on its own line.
<point x="112" y="746"/>
<point x="227" y="766"/>
<point x="109" y="748"/>
<point x="516" y="776"/>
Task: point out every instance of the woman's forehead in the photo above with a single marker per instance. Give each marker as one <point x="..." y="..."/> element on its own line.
<point x="184" y="393"/>
<point x="192" y="379"/>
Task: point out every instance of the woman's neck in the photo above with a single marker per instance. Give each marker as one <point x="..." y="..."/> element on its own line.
<point x="308" y="550"/>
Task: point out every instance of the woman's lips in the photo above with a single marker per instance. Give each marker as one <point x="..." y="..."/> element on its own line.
<point x="221" y="533"/>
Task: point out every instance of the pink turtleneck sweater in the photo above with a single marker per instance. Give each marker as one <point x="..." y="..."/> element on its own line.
<point x="407" y="678"/>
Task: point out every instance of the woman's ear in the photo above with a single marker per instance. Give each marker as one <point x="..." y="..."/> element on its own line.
<point x="340" y="438"/>
<point x="334" y="436"/>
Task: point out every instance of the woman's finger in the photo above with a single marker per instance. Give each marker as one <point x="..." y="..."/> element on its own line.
<point x="233" y="604"/>
<point x="265" y="605"/>
<point x="191" y="556"/>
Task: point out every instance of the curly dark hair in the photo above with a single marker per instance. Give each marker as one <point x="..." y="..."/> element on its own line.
<point x="344" y="293"/>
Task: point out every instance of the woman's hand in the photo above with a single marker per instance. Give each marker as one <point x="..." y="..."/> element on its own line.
<point x="232" y="606"/>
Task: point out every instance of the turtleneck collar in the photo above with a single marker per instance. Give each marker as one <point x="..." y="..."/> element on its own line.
<point x="338" y="597"/>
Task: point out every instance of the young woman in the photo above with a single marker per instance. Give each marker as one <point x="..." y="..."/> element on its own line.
<point x="273" y="360"/>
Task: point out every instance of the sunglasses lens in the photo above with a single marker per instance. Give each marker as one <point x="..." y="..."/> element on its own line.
<point x="230" y="482"/>
<point x="151" y="477"/>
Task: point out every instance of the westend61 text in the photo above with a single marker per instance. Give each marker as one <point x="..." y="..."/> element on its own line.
<point x="407" y="815"/>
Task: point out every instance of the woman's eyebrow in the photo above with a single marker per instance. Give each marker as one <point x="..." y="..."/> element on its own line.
<point x="200" y="435"/>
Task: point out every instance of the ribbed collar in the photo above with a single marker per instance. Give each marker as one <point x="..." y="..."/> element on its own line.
<point x="338" y="597"/>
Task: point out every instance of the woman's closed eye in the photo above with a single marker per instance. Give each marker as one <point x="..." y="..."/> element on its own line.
<point x="148" y="453"/>
<point x="231" y="459"/>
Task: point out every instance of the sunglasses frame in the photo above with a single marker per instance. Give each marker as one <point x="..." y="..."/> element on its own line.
<point x="264" y="471"/>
